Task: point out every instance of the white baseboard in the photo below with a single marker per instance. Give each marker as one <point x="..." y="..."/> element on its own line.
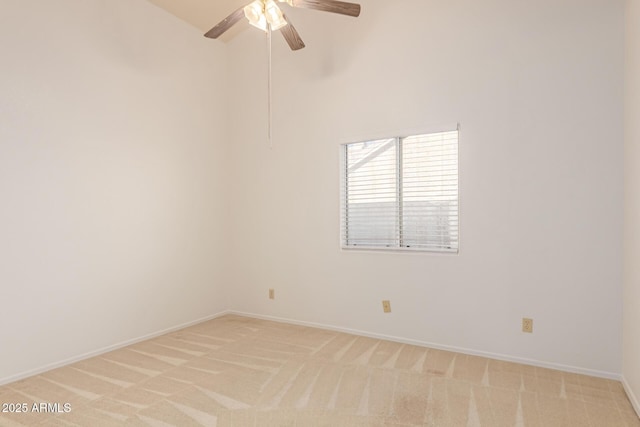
<point x="561" y="367"/>
<point x="632" y="396"/>
<point x="103" y="350"/>
<point x="507" y="358"/>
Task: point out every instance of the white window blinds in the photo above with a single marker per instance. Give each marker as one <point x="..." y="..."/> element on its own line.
<point x="401" y="193"/>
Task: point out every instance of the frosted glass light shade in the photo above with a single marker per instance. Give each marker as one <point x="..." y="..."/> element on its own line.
<point x="255" y="14"/>
<point x="274" y="15"/>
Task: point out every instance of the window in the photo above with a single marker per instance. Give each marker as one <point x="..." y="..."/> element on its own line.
<point x="401" y="193"/>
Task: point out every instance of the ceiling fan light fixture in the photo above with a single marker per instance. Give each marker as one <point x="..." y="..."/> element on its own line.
<point x="274" y="15"/>
<point x="254" y="12"/>
<point x="266" y="15"/>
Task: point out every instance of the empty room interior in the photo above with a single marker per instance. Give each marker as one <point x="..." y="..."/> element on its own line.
<point x="363" y="213"/>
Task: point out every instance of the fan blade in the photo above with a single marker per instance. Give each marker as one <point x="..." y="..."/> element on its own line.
<point x="333" y="6"/>
<point x="291" y="35"/>
<point x="225" y="24"/>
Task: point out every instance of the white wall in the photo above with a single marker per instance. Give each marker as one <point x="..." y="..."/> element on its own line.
<point x="537" y="88"/>
<point x="112" y="136"/>
<point x="115" y="220"/>
<point x="631" y="352"/>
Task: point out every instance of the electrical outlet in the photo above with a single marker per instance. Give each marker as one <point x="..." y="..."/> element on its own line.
<point x="527" y="325"/>
<point x="386" y="306"/>
<point x="272" y="294"/>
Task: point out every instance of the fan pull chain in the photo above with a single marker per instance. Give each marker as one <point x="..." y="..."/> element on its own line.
<point x="269" y="86"/>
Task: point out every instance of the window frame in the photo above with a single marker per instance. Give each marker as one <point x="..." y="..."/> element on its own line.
<point x="398" y="247"/>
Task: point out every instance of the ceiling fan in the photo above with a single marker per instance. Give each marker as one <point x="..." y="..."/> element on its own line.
<point x="266" y="15"/>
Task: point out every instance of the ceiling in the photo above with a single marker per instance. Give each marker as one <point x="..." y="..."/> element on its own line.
<point x="204" y="14"/>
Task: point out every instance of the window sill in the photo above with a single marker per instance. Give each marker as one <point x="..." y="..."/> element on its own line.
<point x="446" y="252"/>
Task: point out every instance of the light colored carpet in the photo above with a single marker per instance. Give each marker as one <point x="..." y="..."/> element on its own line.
<point x="236" y="371"/>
